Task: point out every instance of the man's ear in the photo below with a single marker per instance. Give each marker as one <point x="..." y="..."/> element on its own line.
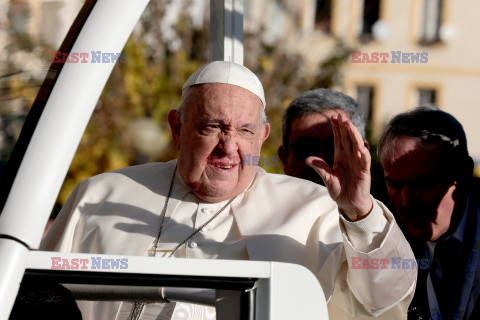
<point x="265" y="132"/>
<point x="175" y="126"/>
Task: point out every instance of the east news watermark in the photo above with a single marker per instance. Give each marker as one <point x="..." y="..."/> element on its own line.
<point x="89" y="57"/>
<point x="92" y="263"/>
<point x="393" y="57"/>
<point x="392" y="263"/>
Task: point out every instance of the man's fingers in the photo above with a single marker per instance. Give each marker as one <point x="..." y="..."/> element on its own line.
<point x="336" y="134"/>
<point x="320" y="166"/>
<point x="358" y="144"/>
<point x="343" y="133"/>
<point x="362" y="155"/>
<point x="344" y="136"/>
<point x="355" y="136"/>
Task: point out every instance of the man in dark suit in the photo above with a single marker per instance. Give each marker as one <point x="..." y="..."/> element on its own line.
<point x="428" y="173"/>
<point x="307" y="131"/>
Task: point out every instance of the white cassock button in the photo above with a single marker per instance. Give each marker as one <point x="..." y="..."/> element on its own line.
<point x="193" y="244"/>
<point x="205" y="229"/>
<point x="204" y="210"/>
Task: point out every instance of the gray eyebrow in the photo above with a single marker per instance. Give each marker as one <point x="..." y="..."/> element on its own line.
<point x="249" y="125"/>
<point x="221" y="121"/>
<point x="206" y="120"/>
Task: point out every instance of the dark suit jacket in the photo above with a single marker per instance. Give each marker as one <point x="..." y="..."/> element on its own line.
<point x="419" y="308"/>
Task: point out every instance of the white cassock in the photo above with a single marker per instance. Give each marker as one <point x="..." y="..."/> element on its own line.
<point x="278" y="218"/>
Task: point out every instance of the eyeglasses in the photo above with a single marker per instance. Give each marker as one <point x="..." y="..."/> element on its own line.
<point x="305" y="147"/>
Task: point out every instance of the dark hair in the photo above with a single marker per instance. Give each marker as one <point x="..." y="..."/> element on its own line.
<point x="319" y="101"/>
<point x="431" y="125"/>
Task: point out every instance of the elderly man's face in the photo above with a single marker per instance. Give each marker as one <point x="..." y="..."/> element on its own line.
<point x="419" y="189"/>
<point x="310" y="135"/>
<point x="222" y="122"/>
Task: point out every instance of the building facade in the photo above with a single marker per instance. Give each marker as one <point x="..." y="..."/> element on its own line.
<point x="404" y="53"/>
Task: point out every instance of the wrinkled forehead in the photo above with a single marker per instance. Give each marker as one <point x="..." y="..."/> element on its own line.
<point x="224" y="101"/>
<point x="315" y="124"/>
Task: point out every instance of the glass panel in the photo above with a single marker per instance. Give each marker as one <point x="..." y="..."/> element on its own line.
<point x="29" y="32"/>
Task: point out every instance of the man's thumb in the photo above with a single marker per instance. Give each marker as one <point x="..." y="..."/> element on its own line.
<point x="319" y="165"/>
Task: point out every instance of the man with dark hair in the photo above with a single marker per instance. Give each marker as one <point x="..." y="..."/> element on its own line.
<point x="428" y="172"/>
<point x="306" y="130"/>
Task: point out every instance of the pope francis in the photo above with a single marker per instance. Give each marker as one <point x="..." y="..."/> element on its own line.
<point x="210" y="204"/>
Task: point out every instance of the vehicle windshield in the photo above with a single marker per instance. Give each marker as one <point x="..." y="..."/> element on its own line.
<point x="29" y="32"/>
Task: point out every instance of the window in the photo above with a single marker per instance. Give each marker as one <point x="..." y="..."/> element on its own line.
<point x="370" y="15"/>
<point x="365" y="95"/>
<point x="323" y="15"/>
<point x="430" y="21"/>
<point x="426" y="96"/>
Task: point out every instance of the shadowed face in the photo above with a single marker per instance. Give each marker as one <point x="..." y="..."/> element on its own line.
<point x="222" y="122"/>
<point x="421" y="192"/>
<point x="311" y="135"/>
